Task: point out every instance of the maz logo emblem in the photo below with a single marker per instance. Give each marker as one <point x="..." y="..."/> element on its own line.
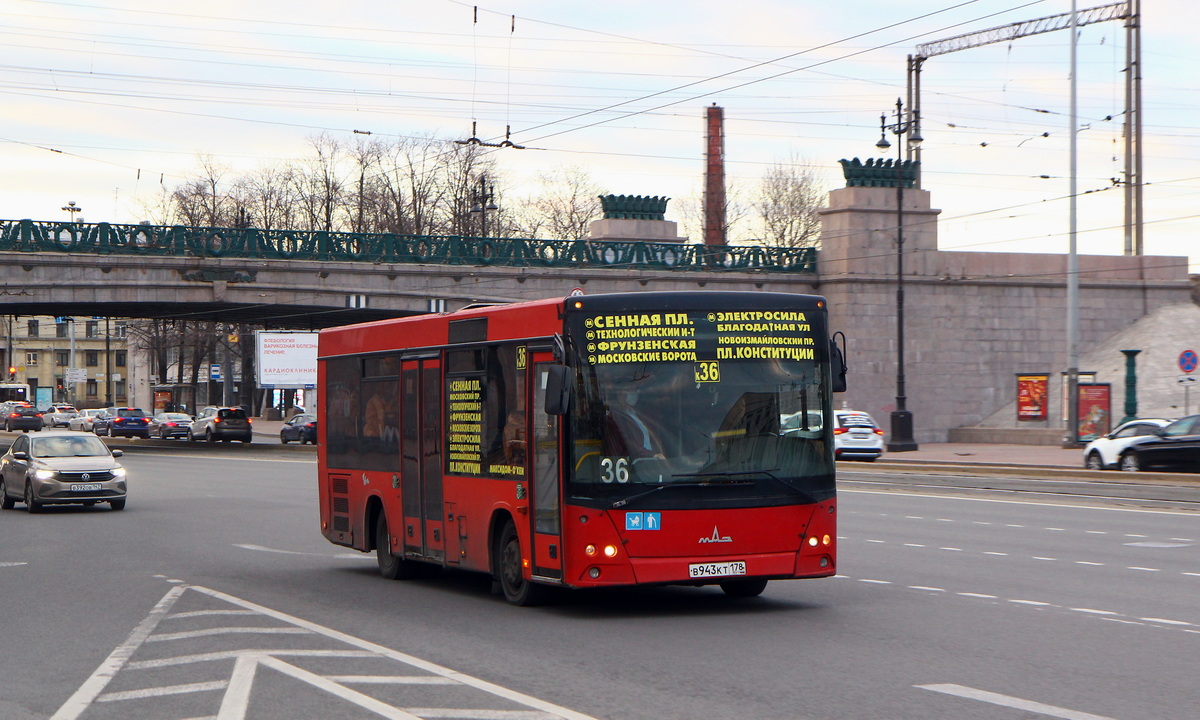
<point x="716" y="537"/>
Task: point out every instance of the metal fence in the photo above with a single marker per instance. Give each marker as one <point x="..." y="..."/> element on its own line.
<point x="183" y="241"/>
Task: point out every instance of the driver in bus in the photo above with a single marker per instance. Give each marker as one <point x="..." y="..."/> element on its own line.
<point x="627" y="431"/>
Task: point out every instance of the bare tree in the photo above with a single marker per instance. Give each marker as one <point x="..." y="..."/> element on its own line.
<point x="790" y="196"/>
<point x="568" y="202"/>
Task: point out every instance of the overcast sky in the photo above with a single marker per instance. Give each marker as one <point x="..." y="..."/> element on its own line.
<point x="105" y="103"/>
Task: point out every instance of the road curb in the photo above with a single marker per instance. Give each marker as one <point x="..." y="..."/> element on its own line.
<point x="1034" y="471"/>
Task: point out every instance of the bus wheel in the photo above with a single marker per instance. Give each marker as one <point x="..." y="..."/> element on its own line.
<point x="744" y="588"/>
<point x="390" y="566"/>
<point x="517" y="590"/>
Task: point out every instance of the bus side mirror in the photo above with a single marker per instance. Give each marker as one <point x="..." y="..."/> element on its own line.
<point x="558" y="389"/>
<point x="837" y="363"/>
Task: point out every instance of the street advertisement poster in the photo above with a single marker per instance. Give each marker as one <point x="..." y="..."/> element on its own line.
<point x="1032" y="391"/>
<point x="286" y="359"/>
<point x="1095" y="410"/>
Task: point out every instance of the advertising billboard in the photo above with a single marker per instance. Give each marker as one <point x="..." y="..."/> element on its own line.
<point x="286" y="359"/>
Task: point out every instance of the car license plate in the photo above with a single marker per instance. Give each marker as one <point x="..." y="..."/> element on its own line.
<point x="725" y="569"/>
<point x="86" y="487"/>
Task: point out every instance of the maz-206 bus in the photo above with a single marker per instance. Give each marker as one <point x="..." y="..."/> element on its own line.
<point x="589" y="441"/>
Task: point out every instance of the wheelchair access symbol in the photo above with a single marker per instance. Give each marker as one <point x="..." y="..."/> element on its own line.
<point x="643" y="521"/>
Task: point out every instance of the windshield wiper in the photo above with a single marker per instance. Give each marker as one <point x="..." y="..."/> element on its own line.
<point x="625" y="501"/>
<point x="769" y="473"/>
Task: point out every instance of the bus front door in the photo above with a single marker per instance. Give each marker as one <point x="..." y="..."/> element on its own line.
<point x="421" y="459"/>
<point x="546" y="502"/>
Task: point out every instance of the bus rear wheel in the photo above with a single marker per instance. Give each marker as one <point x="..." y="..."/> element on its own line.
<point x="744" y="588"/>
<point x="390" y="566"/>
<point x="517" y="590"/>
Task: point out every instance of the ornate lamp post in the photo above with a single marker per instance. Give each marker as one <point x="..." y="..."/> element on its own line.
<point x="71" y="208"/>
<point x="483" y="203"/>
<point x="901" y="419"/>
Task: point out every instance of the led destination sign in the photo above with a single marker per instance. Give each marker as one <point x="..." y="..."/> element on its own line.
<point x="699" y="336"/>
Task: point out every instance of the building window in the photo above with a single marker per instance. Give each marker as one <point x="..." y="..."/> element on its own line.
<point x="93" y="328"/>
<point x="62" y="357"/>
<point x="91" y="388"/>
<point x="33" y="383"/>
<point x="33" y="328"/>
<point x="119" y="329"/>
<point x="119" y="390"/>
<point x="60" y="329"/>
<point x="119" y="358"/>
<point x="31" y="357"/>
<point x="92" y="358"/>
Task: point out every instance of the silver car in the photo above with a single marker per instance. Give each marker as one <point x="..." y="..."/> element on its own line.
<point x="856" y="436"/>
<point x="84" y="420"/>
<point x="61" y="467"/>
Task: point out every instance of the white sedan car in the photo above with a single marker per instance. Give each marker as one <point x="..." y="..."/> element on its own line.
<point x="1104" y="452"/>
<point x="83" y="421"/>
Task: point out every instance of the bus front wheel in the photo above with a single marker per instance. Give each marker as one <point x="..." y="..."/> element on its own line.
<point x="744" y="588"/>
<point x="517" y="590"/>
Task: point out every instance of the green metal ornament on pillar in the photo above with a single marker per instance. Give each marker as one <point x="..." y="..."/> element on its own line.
<point x="1130" y="384"/>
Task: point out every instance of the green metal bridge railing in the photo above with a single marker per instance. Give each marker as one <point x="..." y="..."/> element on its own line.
<point x="183" y="241"/>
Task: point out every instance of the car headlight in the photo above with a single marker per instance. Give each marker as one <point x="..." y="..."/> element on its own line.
<point x="44" y="474"/>
<point x="118" y="471"/>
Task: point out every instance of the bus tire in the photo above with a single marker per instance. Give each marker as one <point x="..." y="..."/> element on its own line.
<point x="744" y="588"/>
<point x="390" y="566"/>
<point x="509" y="569"/>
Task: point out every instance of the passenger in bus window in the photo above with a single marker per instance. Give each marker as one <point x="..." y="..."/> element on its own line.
<point x="514" y="438"/>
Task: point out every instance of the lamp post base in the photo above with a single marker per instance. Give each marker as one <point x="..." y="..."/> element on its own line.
<point x="902" y="432"/>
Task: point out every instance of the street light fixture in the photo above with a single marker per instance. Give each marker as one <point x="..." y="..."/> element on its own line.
<point x="71" y="209"/>
<point x="483" y="204"/>
<point x="901" y="419"/>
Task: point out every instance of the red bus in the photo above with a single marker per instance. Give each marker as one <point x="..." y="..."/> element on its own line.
<point x="588" y="441"/>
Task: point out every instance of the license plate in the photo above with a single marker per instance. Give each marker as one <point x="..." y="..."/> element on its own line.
<point x="724" y="569"/>
<point x="86" y="487"/>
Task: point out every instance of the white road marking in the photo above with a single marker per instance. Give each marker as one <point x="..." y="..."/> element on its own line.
<point x="391" y="679"/>
<point x="935" y="496"/>
<point x="991" y="552"/>
<point x="1143" y="569"/>
<point x="1056" y="529"/>
<point x="1091" y="611"/>
<point x="1038" y="603"/>
<point x="1035" y="557"/>
<point x="927" y="588"/>
<point x="1165" y="621"/>
<point x="1192" y="574"/>
<point x="978" y="595"/>
<point x="239" y="687"/>
<point x="12" y="564"/>
<point x="1097" y="532"/>
<point x="260" y="548"/>
<point x="875" y="582"/>
<point x="1011" y="702"/>
<point x="210" y="632"/>
<point x="94" y="685"/>
<point x="1086" y="562"/>
<point x="205" y="613"/>
<point x="913" y="545"/>
<point x="953" y="549"/>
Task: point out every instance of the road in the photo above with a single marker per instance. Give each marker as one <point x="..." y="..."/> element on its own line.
<point x="213" y="595"/>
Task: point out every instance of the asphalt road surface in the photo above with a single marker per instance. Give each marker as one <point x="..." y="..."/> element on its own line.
<point x="213" y="595"/>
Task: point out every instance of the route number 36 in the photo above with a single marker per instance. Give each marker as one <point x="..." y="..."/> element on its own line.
<point x="614" y="469"/>
<point x="708" y="371"/>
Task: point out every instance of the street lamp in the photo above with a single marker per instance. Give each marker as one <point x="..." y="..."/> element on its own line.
<point x="483" y="204"/>
<point x="71" y="209"/>
<point x="901" y="419"/>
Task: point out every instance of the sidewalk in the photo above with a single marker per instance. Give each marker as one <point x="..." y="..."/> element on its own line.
<point x="967" y="453"/>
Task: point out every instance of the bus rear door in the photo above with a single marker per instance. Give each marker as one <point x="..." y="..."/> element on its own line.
<point x="421" y="459"/>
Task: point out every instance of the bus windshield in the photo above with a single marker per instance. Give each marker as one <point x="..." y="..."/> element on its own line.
<point x="728" y="414"/>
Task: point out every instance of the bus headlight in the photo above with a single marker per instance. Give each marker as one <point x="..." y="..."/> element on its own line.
<point x="610" y="551"/>
<point x="590" y="550"/>
<point x="813" y="541"/>
<point x="825" y="540"/>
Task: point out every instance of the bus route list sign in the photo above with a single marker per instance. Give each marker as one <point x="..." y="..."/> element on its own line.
<point x="1032" y="391"/>
<point x="673" y="337"/>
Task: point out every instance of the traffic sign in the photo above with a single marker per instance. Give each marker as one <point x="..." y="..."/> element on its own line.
<point x="1188" y="360"/>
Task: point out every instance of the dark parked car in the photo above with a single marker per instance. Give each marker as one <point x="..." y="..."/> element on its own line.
<point x="61" y="467"/>
<point x="221" y="423"/>
<point x="302" y="428"/>
<point x="169" y="425"/>
<point x="123" y="422"/>
<point x="1175" y="447"/>
<point x="23" y="417"/>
